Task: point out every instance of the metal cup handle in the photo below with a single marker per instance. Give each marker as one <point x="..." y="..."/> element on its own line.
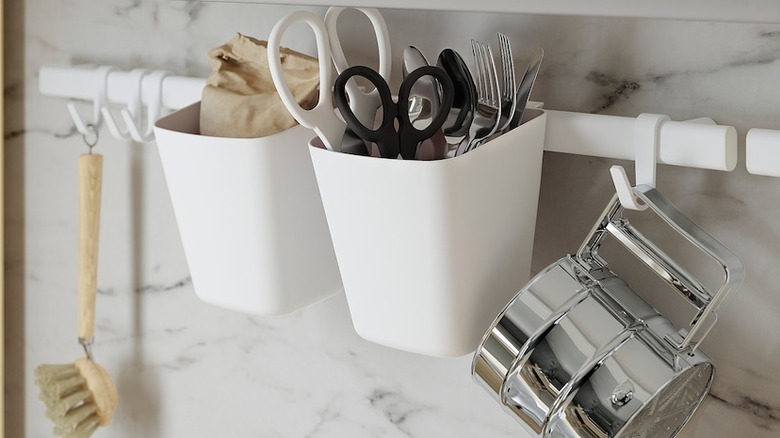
<point x="533" y="341"/>
<point x="576" y="381"/>
<point x="708" y="303"/>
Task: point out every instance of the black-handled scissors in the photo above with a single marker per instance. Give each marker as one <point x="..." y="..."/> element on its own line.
<point x="404" y="139"/>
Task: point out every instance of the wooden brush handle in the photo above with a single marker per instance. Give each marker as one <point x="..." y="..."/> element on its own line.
<point x="90" y="182"/>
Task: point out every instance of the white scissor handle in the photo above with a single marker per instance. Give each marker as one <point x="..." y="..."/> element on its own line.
<point x="363" y="105"/>
<point x="380" y="30"/>
<point x="322" y="119"/>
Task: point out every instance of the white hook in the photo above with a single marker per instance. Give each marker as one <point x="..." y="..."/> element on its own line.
<point x="98" y="103"/>
<point x="153" y="110"/>
<point x="647" y="129"/>
<point x="134" y="107"/>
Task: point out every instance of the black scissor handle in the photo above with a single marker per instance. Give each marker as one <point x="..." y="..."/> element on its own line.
<point x="385" y="136"/>
<point x="409" y="136"/>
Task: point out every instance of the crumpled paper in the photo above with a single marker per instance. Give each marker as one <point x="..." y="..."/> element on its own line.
<point x="240" y="99"/>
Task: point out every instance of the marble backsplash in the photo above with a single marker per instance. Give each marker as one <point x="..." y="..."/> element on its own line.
<point x="186" y="369"/>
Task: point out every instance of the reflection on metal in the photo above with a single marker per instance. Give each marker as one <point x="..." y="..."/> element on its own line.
<point x="577" y="353"/>
<point x="622" y="394"/>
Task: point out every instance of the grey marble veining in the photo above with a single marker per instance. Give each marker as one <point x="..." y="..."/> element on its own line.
<point x="186" y="369"/>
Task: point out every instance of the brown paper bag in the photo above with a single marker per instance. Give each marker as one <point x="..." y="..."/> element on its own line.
<point x="240" y="99"/>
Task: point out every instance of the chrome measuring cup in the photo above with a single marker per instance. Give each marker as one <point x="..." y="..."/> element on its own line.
<point x="578" y="353"/>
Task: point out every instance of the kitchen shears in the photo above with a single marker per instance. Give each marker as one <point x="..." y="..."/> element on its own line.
<point x="322" y="118"/>
<point x="396" y="134"/>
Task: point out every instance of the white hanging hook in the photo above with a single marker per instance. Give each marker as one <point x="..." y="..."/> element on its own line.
<point x="98" y="103"/>
<point x="647" y="128"/>
<point x="134" y="107"/>
<point x="153" y="110"/>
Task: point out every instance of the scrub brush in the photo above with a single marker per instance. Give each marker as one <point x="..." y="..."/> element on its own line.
<point x="80" y="397"/>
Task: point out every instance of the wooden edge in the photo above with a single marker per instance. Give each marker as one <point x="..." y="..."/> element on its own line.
<point x="99" y="383"/>
<point x="2" y="234"/>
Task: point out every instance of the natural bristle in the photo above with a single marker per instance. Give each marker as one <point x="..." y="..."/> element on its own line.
<point x="50" y="372"/>
<point x="69" y="402"/>
<point x="77" y="420"/>
<point x="57" y="382"/>
<point x="84" y="429"/>
<point x="61" y="407"/>
<point x="45" y="375"/>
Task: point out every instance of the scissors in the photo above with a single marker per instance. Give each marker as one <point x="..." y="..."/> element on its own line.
<point x="405" y="139"/>
<point x="322" y="118"/>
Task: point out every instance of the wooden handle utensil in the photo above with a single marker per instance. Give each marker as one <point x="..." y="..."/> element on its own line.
<point x="90" y="183"/>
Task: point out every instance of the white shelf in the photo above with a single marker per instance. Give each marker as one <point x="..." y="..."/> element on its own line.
<point x="753" y="11"/>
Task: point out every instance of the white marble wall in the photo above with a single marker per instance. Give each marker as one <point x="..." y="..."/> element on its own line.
<point x="185" y="369"/>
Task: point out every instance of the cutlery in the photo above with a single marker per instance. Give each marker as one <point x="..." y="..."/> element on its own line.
<point x="488" y="109"/>
<point x="426" y="88"/>
<point x="508" y="100"/>
<point x="526" y="85"/>
<point x="424" y="102"/>
<point x="465" y="100"/>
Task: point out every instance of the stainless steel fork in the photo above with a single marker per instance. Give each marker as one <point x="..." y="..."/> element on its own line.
<point x="488" y="111"/>
<point x="508" y="91"/>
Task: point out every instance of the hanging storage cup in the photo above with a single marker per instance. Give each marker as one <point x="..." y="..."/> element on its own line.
<point x="429" y="251"/>
<point x="577" y="353"/>
<point x="250" y="216"/>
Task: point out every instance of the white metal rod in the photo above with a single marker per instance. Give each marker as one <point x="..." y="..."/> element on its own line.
<point x="690" y="144"/>
<point x="698" y="143"/>
<point x="79" y="82"/>
<point x="763" y="152"/>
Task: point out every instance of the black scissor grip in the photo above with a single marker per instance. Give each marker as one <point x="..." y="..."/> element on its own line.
<point x="409" y="136"/>
<point x="405" y="138"/>
<point x="385" y="136"/>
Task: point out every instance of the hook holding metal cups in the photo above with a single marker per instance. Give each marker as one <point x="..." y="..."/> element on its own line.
<point x="646" y="143"/>
<point x="648" y="132"/>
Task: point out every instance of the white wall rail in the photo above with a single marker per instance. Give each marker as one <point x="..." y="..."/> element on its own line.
<point x="83" y="83"/>
<point x="763" y="152"/>
<point x="136" y="90"/>
<point x="699" y="143"/>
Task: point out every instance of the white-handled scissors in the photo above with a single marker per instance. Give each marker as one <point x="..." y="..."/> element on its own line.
<point x="363" y="105"/>
<point x="322" y="118"/>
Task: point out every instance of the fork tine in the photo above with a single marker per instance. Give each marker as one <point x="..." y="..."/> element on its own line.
<point x="509" y="89"/>
<point x="478" y="70"/>
<point x="508" y="65"/>
<point x="487" y="115"/>
<point x="504" y="64"/>
<point x="492" y="76"/>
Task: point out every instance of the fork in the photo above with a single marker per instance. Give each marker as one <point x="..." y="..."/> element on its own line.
<point x="508" y="100"/>
<point x="488" y="109"/>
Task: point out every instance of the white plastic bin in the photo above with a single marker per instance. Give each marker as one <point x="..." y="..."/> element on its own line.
<point x="250" y="216"/>
<point x="430" y="251"/>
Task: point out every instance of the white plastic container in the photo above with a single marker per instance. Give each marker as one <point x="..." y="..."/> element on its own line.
<point x="250" y="216"/>
<point x="429" y="251"/>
